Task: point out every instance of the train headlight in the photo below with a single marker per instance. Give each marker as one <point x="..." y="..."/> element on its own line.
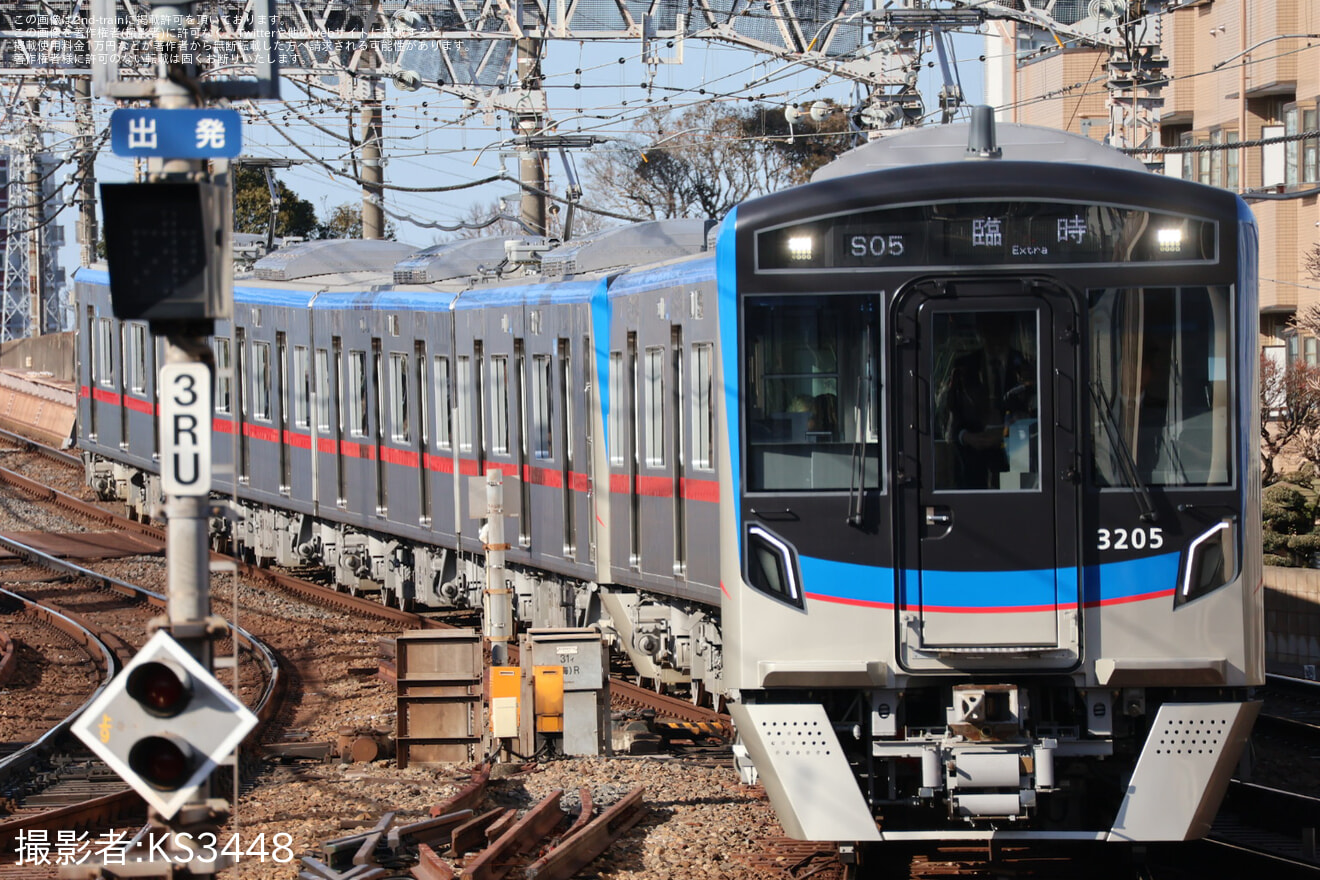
<point x="771" y="566"/>
<point x="1209" y="563"/>
<point x="1170" y="240"/>
<point x="801" y="247"/>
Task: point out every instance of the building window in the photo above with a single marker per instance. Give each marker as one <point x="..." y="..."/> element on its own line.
<point x="1217" y="158"/>
<point x="1310" y="147"/>
<point x="224" y="375"/>
<point x="542" y="407"/>
<point x="1231" y="162"/>
<point x="261" y="380"/>
<point x="1311" y="351"/>
<point x="1291" y="148"/>
<point x="499" y="404"/>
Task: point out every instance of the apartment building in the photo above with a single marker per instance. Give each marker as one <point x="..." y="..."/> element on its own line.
<point x="1238" y="71"/>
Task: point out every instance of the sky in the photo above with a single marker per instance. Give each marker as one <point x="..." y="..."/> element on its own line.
<point x="433" y="139"/>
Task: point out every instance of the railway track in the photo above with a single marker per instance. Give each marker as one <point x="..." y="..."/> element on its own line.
<point x="1291" y="705"/>
<point x="774" y="859"/>
<point x="75" y="792"/>
<point x="293" y="619"/>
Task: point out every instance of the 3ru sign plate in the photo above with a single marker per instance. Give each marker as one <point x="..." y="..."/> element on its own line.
<point x="185" y="430"/>
<point x="176" y="134"/>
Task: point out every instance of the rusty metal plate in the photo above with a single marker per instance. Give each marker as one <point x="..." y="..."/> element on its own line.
<point x="86" y="545"/>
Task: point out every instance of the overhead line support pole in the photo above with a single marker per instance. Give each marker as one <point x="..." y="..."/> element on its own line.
<point x="529" y="122"/>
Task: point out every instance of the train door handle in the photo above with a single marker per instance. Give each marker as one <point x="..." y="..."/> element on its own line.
<point x="938" y="516"/>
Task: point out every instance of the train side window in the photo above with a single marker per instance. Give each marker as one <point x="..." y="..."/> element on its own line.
<point x="1162" y="385"/>
<point x="443" y="408"/>
<point x="400" y="429"/>
<point x="137" y="357"/>
<point x="464" y="403"/>
<point x="423" y="396"/>
<point x="261" y="380"/>
<point x="542" y="408"/>
<point x="323" y="391"/>
<point x="565" y="401"/>
<point x="356" y="389"/>
<point x="703" y="409"/>
<point x="654" y="414"/>
<point x="617" y="415"/>
<point x="301" y="388"/>
<point x="499" y="404"/>
<point x="105" y="366"/>
<point x="224" y="375"/>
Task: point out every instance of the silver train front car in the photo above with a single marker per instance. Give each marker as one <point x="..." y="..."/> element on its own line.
<point x="995" y="493"/>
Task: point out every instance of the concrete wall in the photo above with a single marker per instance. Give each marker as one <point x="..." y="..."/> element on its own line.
<point x="53" y="353"/>
<point x="1292" y="616"/>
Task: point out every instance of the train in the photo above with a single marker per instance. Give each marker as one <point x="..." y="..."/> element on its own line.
<point x="940" y="469"/>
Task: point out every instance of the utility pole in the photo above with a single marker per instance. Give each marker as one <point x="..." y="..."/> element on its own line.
<point x="32" y="219"/>
<point x="529" y="122"/>
<point x="87" y="231"/>
<point x="373" y="172"/>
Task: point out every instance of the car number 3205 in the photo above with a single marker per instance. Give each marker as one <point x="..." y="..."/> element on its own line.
<point x="1130" y="539"/>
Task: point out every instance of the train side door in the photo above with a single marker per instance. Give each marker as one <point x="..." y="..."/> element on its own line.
<point x="986" y="474"/>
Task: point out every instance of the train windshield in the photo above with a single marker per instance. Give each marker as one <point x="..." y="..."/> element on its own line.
<point x="810" y="369"/>
<point x="1161" y="378"/>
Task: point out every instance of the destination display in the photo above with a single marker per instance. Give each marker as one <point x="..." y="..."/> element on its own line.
<point x="987" y="233"/>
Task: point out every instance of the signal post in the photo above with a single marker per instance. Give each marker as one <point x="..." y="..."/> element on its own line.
<point x="165" y="723"/>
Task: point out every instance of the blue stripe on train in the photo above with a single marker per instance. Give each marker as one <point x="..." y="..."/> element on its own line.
<point x="1113" y="583"/>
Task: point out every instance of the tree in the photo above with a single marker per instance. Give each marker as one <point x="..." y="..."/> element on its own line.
<point x="506" y="224"/>
<point x="1290" y="412"/>
<point x="297" y="216"/>
<point x="702" y="162"/>
<point x="345" y="221"/>
<point x="807" y="145"/>
<point x="1288" y="518"/>
<point x="1311" y="262"/>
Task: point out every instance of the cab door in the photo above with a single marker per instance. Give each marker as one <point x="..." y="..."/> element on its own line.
<point x="986" y="473"/>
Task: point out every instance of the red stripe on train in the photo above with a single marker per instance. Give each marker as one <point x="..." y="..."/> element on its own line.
<point x="143" y="406"/>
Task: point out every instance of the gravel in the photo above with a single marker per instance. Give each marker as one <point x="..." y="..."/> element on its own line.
<point x="699" y="817"/>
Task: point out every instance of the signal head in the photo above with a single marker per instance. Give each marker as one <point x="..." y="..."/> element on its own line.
<point x="164" y="762"/>
<point x="160" y="688"/>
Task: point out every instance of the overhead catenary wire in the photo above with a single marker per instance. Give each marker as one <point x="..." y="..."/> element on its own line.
<point x="719" y="85"/>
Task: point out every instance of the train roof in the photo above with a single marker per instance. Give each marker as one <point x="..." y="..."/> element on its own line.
<point x="1007" y="141"/>
<point x="310" y="259"/>
<point x="456" y="266"/>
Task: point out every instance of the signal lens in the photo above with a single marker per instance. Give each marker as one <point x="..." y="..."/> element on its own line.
<point x="161" y="762"/>
<point x="159" y="689"/>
